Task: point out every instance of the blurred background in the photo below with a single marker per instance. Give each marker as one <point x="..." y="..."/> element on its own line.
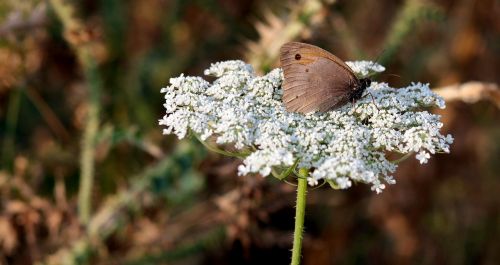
<point x="87" y="178"/>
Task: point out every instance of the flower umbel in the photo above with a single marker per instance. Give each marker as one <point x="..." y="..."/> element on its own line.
<point x="342" y="146"/>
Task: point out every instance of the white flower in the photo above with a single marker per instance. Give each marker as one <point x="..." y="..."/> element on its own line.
<point x="341" y="147"/>
<point x="262" y="161"/>
<point x="423" y="157"/>
<point x="364" y="68"/>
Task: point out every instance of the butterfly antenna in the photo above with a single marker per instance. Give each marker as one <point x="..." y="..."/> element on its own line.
<point x="387" y="75"/>
<point x="379" y="55"/>
<point x="393" y="75"/>
<point x="373" y="63"/>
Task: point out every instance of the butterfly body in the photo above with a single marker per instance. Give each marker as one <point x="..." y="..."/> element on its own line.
<point x="316" y="80"/>
<point x="357" y="92"/>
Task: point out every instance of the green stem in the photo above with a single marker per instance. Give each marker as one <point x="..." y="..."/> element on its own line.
<point x="219" y="151"/>
<point x="410" y="16"/>
<point x="73" y="26"/>
<point x="87" y="156"/>
<point x="114" y="214"/>
<point x="300" y="211"/>
<point x="285" y="173"/>
<point x="11" y="124"/>
<point x="403" y="158"/>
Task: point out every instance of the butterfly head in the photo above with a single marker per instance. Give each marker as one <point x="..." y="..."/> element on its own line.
<point x="365" y="82"/>
<point x="357" y="93"/>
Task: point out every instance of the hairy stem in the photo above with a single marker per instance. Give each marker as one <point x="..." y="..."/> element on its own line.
<point x="300" y="211"/>
<point x="78" y="36"/>
<point x="87" y="155"/>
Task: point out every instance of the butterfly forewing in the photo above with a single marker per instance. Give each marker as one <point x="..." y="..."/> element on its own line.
<point x="315" y="80"/>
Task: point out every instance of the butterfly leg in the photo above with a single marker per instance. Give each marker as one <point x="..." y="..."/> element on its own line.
<point x="353" y="103"/>
<point x="373" y="99"/>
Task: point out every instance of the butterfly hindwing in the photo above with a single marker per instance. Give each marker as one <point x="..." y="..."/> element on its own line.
<point x="315" y="80"/>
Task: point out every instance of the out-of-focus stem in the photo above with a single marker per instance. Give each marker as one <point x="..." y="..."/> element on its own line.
<point x="300" y="210"/>
<point x="113" y="213"/>
<point x="48" y="114"/>
<point x="80" y="40"/>
<point x="11" y="124"/>
<point x="87" y="155"/>
<point x="276" y="30"/>
<point x="470" y="92"/>
<point x="412" y="13"/>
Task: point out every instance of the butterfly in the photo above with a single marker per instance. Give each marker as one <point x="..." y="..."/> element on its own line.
<point x="316" y="80"/>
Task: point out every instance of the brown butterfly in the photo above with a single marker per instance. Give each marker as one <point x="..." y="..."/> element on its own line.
<point x="316" y="80"/>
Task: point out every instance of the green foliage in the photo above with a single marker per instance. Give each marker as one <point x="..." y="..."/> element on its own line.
<point x="409" y="18"/>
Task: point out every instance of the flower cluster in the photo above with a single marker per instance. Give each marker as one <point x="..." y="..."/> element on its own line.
<point x="365" y="68"/>
<point x="342" y="146"/>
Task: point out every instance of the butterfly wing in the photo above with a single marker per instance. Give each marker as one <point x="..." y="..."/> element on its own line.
<point x="315" y="80"/>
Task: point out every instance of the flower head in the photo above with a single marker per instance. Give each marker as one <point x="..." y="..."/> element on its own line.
<point x="342" y="146"/>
